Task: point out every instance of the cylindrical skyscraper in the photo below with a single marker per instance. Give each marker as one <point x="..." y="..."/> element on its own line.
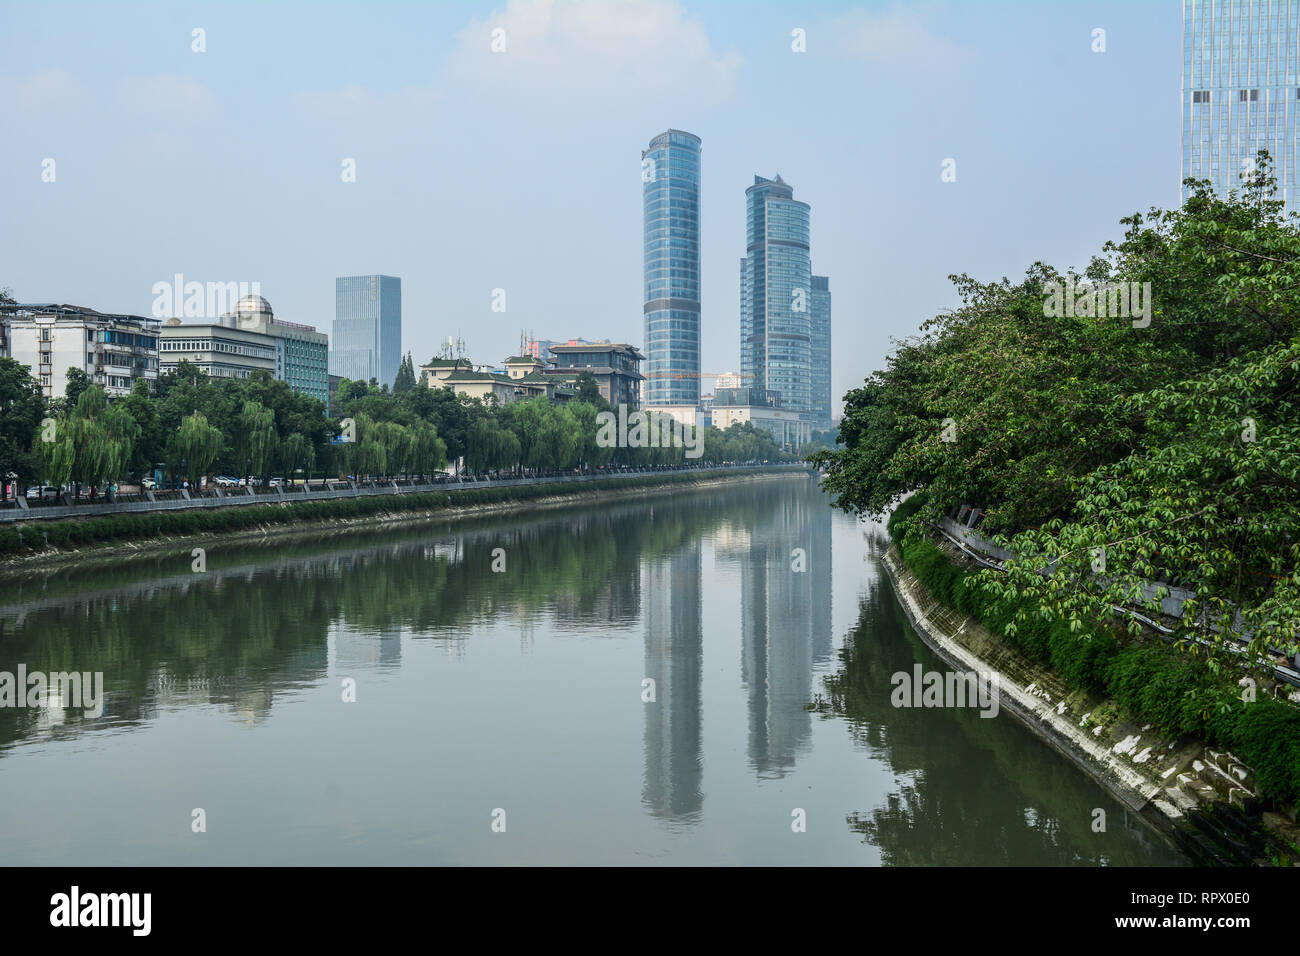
<point x="670" y="176"/>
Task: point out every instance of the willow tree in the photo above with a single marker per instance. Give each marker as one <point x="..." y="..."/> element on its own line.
<point x="90" y="446"/>
<point x="257" y="438"/>
<point x="196" y="443"/>
<point x="296" y="452"/>
<point x="429" y="451"/>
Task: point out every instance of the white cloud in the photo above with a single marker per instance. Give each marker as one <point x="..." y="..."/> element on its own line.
<point x="360" y="107"/>
<point x="631" y="48"/>
<point x="899" y="38"/>
<point x="44" y="92"/>
<point x="176" y="98"/>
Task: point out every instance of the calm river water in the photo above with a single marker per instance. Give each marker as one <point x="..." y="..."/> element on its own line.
<point x="499" y="715"/>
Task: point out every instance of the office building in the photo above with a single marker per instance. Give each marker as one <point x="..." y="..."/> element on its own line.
<point x="251" y="339"/>
<point x="1241" y="91"/>
<point x="790" y="428"/>
<point x="670" y="173"/>
<point x="367" y="335"/>
<point x="775" y="294"/>
<point x="821" y="353"/>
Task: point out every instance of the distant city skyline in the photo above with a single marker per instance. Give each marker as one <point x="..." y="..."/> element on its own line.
<point x="538" y="196"/>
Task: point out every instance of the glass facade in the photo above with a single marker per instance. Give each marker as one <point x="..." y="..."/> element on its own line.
<point x="670" y="174"/>
<point x="367" y="336"/>
<point x="776" y="295"/>
<point x="821" y="352"/>
<point x="302" y="360"/>
<point x="1241" y="91"/>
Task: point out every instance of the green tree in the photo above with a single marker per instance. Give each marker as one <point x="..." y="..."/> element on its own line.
<point x="258" y="440"/>
<point x="21" y="409"/>
<point x="405" y="380"/>
<point x="297" y="451"/>
<point x="197" y="444"/>
<point x="92" y="445"/>
<point x="589" y="391"/>
<point x="1114" y="451"/>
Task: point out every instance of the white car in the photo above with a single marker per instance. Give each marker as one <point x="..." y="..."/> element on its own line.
<point x="42" y="493"/>
<point x="148" y="484"/>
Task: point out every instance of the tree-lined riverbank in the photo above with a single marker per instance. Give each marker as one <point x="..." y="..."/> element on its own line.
<point x="241" y="513"/>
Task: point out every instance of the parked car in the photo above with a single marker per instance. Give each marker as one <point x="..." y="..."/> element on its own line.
<point x="226" y="481"/>
<point x="42" y="493"/>
<point x="148" y="484"/>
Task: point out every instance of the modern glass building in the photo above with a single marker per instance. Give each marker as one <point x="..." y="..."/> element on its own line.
<point x="821" y="353"/>
<point x="670" y="174"/>
<point x="367" y="338"/>
<point x="1241" y="91"/>
<point x="776" y="295"/>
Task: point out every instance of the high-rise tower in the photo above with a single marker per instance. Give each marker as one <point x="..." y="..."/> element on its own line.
<point x="776" y="295"/>
<point x="670" y="175"/>
<point x="1241" y="91"/>
<point x="367" y="339"/>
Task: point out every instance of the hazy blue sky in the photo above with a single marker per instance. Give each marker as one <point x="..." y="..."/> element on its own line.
<point x="521" y="170"/>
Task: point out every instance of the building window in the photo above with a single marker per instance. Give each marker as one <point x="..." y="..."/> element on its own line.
<point x="1248" y="95"/>
<point x="1200" y="96"/>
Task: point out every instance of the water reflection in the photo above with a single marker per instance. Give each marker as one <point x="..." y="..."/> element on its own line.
<point x="674" y="656"/>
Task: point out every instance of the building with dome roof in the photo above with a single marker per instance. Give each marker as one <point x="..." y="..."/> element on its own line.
<point x="247" y="340"/>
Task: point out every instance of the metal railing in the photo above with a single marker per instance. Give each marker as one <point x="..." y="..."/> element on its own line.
<point x="212" y="497"/>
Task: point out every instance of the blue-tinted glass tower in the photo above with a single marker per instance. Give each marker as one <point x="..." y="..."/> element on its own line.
<point x="367" y="339"/>
<point x="1241" y="91"/>
<point x="776" y="295"/>
<point x="670" y="175"/>
<point x="821" y="352"/>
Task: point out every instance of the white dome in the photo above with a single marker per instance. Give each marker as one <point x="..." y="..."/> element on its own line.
<point x="253" y="304"/>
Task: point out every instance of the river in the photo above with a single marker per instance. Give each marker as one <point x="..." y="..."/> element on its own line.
<point x="694" y="677"/>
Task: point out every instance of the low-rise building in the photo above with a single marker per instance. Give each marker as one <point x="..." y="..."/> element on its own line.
<point x="115" y="351"/>
<point x="735" y="406"/>
<point x="524" y="378"/>
<point x="252" y="339"/>
<point x="615" y="366"/>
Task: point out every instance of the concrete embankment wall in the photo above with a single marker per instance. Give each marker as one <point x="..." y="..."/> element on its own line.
<point x="1201" y="800"/>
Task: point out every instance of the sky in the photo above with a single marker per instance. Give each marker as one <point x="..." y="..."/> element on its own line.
<point x="520" y="169"/>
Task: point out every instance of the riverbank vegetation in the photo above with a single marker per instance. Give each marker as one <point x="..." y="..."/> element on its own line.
<point x="189" y="425"/>
<point x="1109" y="451"/>
<point x="1152" y="681"/>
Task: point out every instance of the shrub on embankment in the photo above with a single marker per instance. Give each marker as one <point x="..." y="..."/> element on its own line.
<point x="1151" y="680"/>
<point x="27" y="536"/>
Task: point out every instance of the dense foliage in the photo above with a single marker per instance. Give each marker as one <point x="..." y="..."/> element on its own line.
<point x="190" y="425"/>
<point x="1110" y="451"/>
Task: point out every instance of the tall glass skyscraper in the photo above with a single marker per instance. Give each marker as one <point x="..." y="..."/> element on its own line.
<point x="776" y="295"/>
<point x="821" y="352"/>
<point x="367" y="338"/>
<point x="1241" y="91"/>
<point x="670" y="175"/>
